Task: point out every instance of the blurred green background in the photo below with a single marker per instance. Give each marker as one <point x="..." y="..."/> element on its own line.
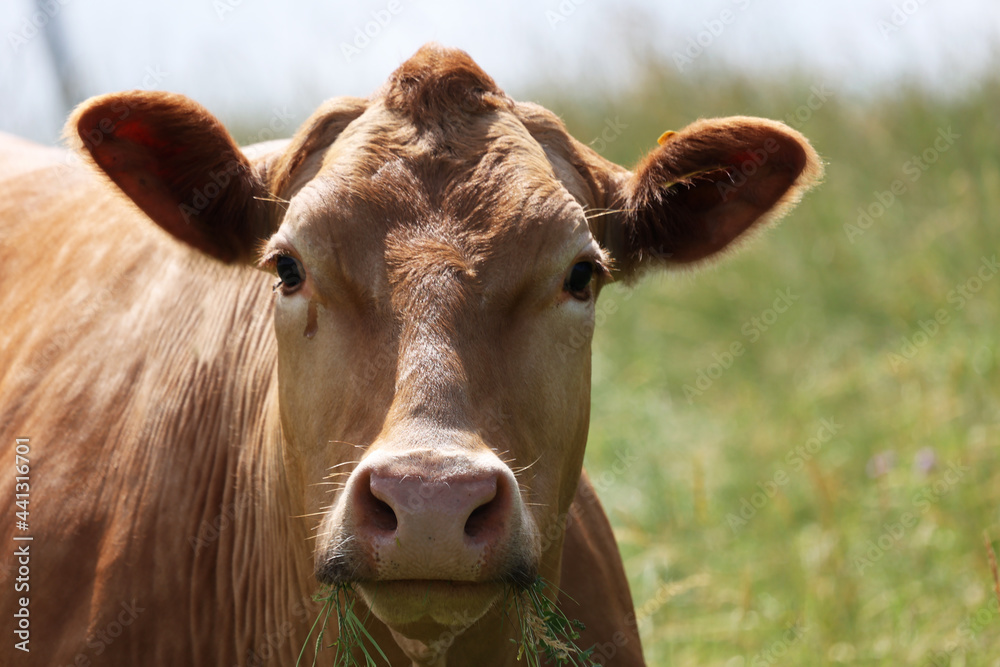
<point x="821" y="498"/>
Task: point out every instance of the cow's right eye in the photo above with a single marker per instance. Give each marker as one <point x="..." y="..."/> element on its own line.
<point x="578" y="281"/>
<point x="290" y="272"/>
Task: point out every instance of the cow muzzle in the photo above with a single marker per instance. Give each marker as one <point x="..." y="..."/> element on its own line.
<point x="426" y="536"/>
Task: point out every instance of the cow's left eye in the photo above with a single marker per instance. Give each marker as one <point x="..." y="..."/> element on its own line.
<point x="579" y="279"/>
<point x="289" y="272"/>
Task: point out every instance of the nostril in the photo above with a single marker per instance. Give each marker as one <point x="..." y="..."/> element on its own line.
<point x="479" y="521"/>
<point x="381" y="516"/>
<point x="374" y="513"/>
<point x="487" y="520"/>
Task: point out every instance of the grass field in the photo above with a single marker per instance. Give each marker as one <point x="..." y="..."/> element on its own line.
<point x="822" y="497"/>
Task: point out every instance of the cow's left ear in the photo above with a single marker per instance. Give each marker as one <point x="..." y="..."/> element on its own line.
<point x="705" y="187"/>
<point x="180" y="166"/>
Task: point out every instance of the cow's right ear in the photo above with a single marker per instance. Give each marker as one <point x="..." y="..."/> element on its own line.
<point x="179" y="165"/>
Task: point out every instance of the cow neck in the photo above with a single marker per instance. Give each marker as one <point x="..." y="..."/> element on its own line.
<point x="261" y="560"/>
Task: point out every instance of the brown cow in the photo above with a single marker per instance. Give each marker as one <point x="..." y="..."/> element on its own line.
<point x="404" y="413"/>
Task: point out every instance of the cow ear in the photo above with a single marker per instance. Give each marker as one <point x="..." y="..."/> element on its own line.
<point x="302" y="159"/>
<point x="705" y="187"/>
<point x="180" y="166"/>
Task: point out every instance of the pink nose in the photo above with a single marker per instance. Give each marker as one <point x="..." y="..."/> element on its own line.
<point x="452" y="520"/>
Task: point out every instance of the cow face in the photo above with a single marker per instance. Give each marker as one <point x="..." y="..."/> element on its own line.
<point x="432" y="282"/>
<point x="438" y="251"/>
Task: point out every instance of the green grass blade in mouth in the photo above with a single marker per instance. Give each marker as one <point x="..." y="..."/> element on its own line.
<point x="545" y="634"/>
<point x="351" y="631"/>
<point x="545" y="631"/>
<point x="319" y="597"/>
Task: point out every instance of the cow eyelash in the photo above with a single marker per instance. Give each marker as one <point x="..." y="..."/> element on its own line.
<point x="602" y="269"/>
<point x="291" y="274"/>
<point x="266" y="260"/>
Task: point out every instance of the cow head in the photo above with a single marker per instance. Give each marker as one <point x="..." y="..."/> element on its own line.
<point x="438" y="250"/>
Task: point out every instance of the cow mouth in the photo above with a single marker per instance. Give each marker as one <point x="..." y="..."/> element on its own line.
<point x="416" y="607"/>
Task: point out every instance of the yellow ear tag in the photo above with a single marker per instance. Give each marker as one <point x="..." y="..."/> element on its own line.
<point x="665" y="137"/>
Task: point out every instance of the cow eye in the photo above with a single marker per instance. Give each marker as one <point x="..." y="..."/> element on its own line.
<point x="579" y="279"/>
<point x="289" y="272"/>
